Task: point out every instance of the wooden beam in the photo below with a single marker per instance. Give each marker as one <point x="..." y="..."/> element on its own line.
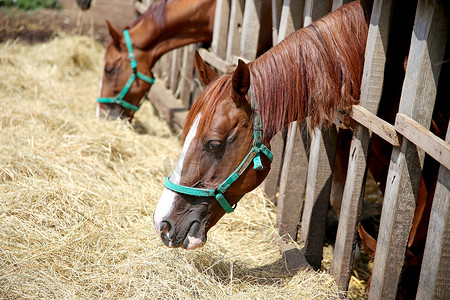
<point x="377" y="125"/>
<point x="250" y="29"/>
<point x="187" y="75"/>
<point x="220" y="33"/>
<point x="434" y="282"/>
<point x="371" y="88"/>
<point x="235" y="28"/>
<point x="215" y="61"/>
<point x="425" y="139"/>
<point x="292" y="181"/>
<point x="417" y="101"/>
<point x="317" y="197"/>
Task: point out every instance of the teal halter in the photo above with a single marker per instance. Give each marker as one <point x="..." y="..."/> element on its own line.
<point x="119" y="99"/>
<point x="254" y="155"/>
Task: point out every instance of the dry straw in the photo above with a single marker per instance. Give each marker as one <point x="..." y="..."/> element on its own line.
<point x="77" y="197"/>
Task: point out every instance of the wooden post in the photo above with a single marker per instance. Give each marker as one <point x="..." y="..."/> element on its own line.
<point x="250" y="29"/>
<point x="320" y="169"/>
<point x="417" y="101"/>
<point x="292" y="181"/>
<point x="371" y="88"/>
<point x="221" y="18"/>
<point x="174" y="71"/>
<point x="317" y="198"/>
<point x="187" y="75"/>
<point x="434" y="282"/>
<point x="235" y="28"/>
<point x="291" y="20"/>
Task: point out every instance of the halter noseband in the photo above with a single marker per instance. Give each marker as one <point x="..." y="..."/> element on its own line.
<point x="254" y="155"/>
<point x="119" y="99"/>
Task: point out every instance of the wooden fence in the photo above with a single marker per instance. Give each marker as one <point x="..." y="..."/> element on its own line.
<point x="299" y="183"/>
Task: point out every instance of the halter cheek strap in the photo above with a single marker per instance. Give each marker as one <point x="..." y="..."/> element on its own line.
<point x="120" y="98"/>
<point x="253" y="156"/>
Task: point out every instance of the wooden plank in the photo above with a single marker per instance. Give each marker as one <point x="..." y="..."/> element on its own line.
<point x="235" y="28"/>
<point x="320" y="169"/>
<point x="344" y="249"/>
<point x="290" y="21"/>
<point x="166" y="62"/>
<point x="215" y="61"/>
<point x="425" y="139"/>
<point x="434" y="282"/>
<point x="250" y="29"/>
<point x="174" y="71"/>
<point x="377" y="125"/>
<point x="220" y="33"/>
<point x="372" y="83"/>
<point x="292" y="182"/>
<point x="139" y="7"/>
<point x="187" y="75"/>
<point x="276" y="15"/>
<point x="417" y="101"/>
<point x="167" y="106"/>
<point x="317" y="198"/>
<point x="270" y="184"/>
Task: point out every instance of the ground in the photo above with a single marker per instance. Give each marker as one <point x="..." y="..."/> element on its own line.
<point x="40" y="25"/>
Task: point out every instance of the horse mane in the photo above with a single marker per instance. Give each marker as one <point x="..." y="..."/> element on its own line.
<point x="313" y="72"/>
<point x="157" y="11"/>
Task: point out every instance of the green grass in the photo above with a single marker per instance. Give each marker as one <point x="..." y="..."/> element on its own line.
<point x="31" y="4"/>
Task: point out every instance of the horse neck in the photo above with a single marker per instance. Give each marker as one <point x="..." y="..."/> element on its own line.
<point x="313" y="72"/>
<point x="186" y="22"/>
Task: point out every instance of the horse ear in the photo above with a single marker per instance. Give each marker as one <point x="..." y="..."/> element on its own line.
<point x="369" y="243"/>
<point x="206" y="74"/>
<point x="241" y="78"/>
<point x="115" y="34"/>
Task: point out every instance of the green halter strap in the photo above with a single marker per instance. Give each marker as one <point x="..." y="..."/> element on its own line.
<point x="120" y="98"/>
<point x="253" y="156"/>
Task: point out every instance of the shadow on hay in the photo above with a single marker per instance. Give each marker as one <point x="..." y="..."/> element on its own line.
<point x="226" y="271"/>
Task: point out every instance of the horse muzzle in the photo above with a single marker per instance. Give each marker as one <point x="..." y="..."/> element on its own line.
<point x="189" y="237"/>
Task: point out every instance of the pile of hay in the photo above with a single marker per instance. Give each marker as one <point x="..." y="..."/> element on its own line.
<point x="78" y="194"/>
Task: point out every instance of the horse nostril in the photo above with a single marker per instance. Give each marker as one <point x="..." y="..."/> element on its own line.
<point x="167" y="228"/>
<point x="163" y="226"/>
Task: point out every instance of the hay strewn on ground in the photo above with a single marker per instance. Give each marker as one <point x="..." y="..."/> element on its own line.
<point x="78" y="194"/>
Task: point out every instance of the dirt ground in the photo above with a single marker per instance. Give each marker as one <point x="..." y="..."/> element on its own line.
<point x="40" y="25"/>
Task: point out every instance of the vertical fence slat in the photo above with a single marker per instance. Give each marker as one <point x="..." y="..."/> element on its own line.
<point x="235" y="28"/>
<point x="417" y="100"/>
<point x="250" y="29"/>
<point x="174" y="70"/>
<point x="371" y="88"/>
<point x="317" y="197"/>
<point x="292" y="181"/>
<point x="434" y="282"/>
<point x="320" y="168"/>
<point x="187" y="75"/>
<point x="221" y="19"/>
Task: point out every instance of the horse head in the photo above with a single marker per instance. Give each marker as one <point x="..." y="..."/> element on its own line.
<point x="222" y="159"/>
<point x="126" y="77"/>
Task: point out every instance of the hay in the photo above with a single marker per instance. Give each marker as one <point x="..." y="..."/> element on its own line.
<point x="77" y="197"/>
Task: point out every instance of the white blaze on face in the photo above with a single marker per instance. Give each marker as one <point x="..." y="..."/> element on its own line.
<point x="167" y="198"/>
<point x="99" y="94"/>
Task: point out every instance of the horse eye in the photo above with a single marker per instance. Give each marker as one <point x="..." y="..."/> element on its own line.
<point x="214" y="145"/>
<point x="109" y="69"/>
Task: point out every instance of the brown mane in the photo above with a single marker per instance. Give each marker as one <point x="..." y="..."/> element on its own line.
<point x="158" y="13"/>
<point x="313" y="72"/>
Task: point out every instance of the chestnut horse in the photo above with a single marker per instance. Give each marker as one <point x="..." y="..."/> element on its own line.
<point x="313" y="72"/>
<point x="165" y="25"/>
